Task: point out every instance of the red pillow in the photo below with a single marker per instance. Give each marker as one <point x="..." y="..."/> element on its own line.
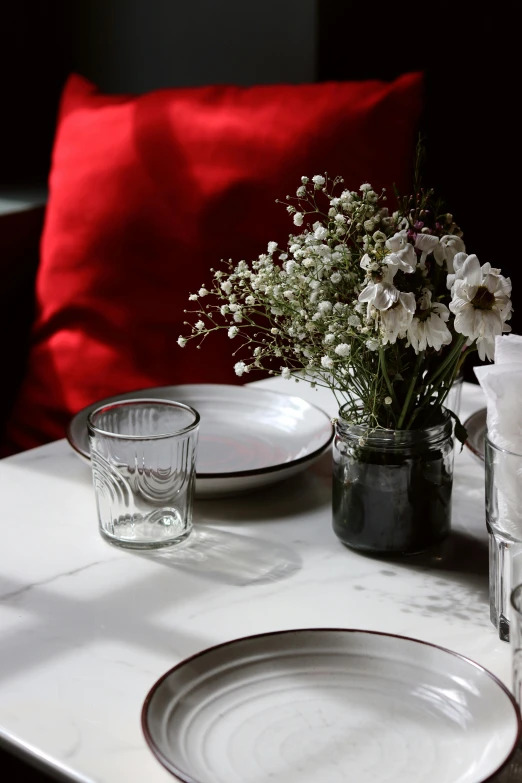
<point x="148" y="192"/>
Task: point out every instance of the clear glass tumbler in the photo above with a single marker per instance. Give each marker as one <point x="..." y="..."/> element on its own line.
<point x="504" y="523"/>
<point x="143" y="456"/>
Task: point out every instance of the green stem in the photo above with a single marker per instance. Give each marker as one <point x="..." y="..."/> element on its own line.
<point x="420" y="359"/>
<point x="386" y="377"/>
<point x="447" y="361"/>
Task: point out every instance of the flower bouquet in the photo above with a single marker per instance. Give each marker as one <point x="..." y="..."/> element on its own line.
<point x="383" y="309"/>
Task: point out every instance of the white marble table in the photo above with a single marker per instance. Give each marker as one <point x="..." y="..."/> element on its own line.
<point x="86" y="628"/>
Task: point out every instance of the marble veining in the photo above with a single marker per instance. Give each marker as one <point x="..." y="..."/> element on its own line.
<point x="87" y="629"/>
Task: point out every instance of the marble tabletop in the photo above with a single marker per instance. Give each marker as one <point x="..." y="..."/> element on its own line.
<point x="86" y="629"/>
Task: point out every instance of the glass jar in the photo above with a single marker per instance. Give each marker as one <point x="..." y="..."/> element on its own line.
<point x="392" y="488"/>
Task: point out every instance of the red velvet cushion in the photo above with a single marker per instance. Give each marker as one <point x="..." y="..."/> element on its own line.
<point x="147" y="193"/>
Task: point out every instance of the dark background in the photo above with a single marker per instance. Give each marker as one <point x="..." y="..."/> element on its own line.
<point x="468" y="52"/>
<point x="469" y="56"/>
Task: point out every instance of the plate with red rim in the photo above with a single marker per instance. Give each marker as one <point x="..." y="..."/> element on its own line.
<point x="249" y="438"/>
<point x="330" y="705"/>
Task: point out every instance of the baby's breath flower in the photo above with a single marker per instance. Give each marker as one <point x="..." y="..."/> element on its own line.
<point x="182" y="341"/>
<point x="343" y="349"/>
<point x="199" y="325"/>
<point x="304" y="180"/>
<point x="249" y="300"/>
<point x="336" y="277"/>
<point x="233" y="331"/>
<point x="226" y="286"/>
<point x="298" y="219"/>
<point x="240" y="368"/>
<point x="203" y="291"/>
<point x="193" y="297"/>
<point x="365" y="187"/>
<point x="286" y="373"/>
<point x="388" y="400"/>
<point x="327" y="362"/>
<point x="301" y="191"/>
<point x="318" y="181"/>
<point x="272" y="247"/>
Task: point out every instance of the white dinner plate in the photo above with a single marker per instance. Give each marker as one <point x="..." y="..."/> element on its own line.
<point x="330" y="706"/>
<point x="248" y="437"/>
<point x="476" y="426"/>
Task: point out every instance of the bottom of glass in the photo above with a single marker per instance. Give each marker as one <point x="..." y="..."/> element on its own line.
<point x="126" y="543"/>
<point x="406" y="551"/>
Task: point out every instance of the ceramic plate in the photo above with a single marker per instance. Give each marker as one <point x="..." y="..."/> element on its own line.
<point x="248" y="437"/>
<point x="330" y="706"/>
<point x="476" y="427"/>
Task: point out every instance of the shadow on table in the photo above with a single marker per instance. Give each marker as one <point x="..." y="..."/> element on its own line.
<point x="302" y="494"/>
<point x="463" y="556"/>
<point x="230" y="558"/>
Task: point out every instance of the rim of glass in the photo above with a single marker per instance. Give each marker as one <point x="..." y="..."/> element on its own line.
<point x="92" y="427"/>
<point x="515" y="593"/>
<point x="488" y="440"/>
<point x="387" y="435"/>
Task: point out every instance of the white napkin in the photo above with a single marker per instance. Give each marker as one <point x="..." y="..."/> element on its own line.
<point x="502" y="386"/>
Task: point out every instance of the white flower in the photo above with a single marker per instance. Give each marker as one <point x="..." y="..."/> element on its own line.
<point x="298" y="219"/>
<point x="388" y="400"/>
<point x="318" y="181"/>
<point x="365" y="187"/>
<point x="272" y="247"/>
<point x="233" y="331"/>
<point x="325" y="307"/>
<point x="336" y="278"/>
<point x="286" y="373"/>
<point x="326" y="362"/>
<point x="193" y="297"/>
<point x="226" y="286"/>
<point x="339" y="218"/>
<point x="250" y="301"/>
<point x="304" y="180"/>
<point x="329" y="338"/>
<point x="301" y="191"/>
<point x="397" y="318"/>
<point x="199" y="325"/>
<point x="372" y="344"/>
<point x="223" y="309"/>
<point x="182" y="341"/>
<point x="428" y="328"/>
<point x="238" y="317"/>
<point x="354" y="320"/>
<point x="427" y="244"/>
<point x="402" y="254"/>
<point x="343" y="349"/>
<point x="447" y="249"/>
<point x="240" y="368"/>
<point x="481" y="303"/>
<point x="321" y="233"/>
<point x="202" y="292"/>
<point x="381" y="295"/>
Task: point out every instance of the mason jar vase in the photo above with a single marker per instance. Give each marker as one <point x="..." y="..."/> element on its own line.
<point x="392" y="488"/>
